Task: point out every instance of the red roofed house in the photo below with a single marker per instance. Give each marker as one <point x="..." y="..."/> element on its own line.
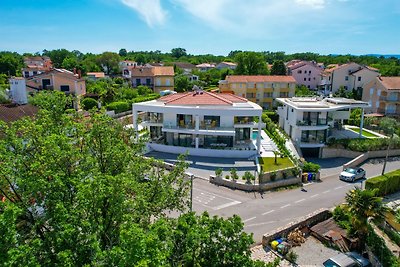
<point x="306" y="73"/>
<point x="261" y="89"/>
<point x="36" y="65"/>
<point x="202" y="123"/>
<point x="383" y="95"/>
<point x="158" y="78"/>
<point x="13" y="112"/>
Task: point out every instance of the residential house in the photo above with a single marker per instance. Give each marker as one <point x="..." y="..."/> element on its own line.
<point x="185" y="66"/>
<point x="226" y="65"/>
<point x="126" y="67"/>
<point x="36" y="65"/>
<point x="261" y="89"/>
<point x="156" y="78"/>
<point x="205" y="67"/>
<point x="349" y="76"/>
<point x="95" y="75"/>
<point x="306" y="73"/>
<point x="309" y="121"/>
<point x="60" y="80"/>
<point x="12" y="112"/>
<point x="383" y="95"/>
<point x="202" y="124"/>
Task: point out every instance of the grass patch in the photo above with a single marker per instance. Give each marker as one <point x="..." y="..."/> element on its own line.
<point x="268" y="164"/>
<point x="364" y="133"/>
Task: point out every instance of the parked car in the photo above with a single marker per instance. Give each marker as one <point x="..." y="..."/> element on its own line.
<point x="362" y="262"/>
<point x="340" y="260"/>
<point x="350" y="259"/>
<point x="352" y="174"/>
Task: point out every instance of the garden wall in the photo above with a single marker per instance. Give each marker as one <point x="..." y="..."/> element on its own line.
<point x="250" y="187"/>
<point x="306" y="221"/>
<point x="370" y="154"/>
<point x="338" y="152"/>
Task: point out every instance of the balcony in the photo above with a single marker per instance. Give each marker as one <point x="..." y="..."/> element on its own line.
<point x="319" y="122"/>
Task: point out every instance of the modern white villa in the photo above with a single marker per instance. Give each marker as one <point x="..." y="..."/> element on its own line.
<point x="202" y="124"/>
<point x="310" y="121"/>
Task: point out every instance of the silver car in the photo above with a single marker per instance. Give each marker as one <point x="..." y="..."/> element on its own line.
<point x="352" y="174"/>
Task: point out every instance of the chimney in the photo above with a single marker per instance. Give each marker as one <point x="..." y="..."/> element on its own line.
<point x="74" y="71"/>
<point x="79" y="74"/>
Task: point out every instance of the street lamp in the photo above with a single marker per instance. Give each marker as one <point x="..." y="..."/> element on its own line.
<point x="191" y="190"/>
<point x="387" y="152"/>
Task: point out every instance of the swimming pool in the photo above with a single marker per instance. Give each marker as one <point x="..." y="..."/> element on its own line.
<point x="254" y="135"/>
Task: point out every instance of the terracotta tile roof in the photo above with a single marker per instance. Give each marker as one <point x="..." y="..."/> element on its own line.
<point x="10" y="113"/>
<point x="163" y="71"/>
<point x="390" y="83"/>
<point x="153" y="71"/>
<point x="205" y="65"/>
<point x="201" y="98"/>
<point x="141" y="72"/>
<point x="228" y="63"/>
<point x="259" y="78"/>
<point x="96" y="74"/>
<point x="184" y="65"/>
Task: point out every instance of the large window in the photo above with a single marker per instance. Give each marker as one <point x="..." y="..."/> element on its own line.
<point x="242" y="134"/>
<point x="184" y="120"/>
<point x="313" y="137"/>
<point x="217" y="142"/>
<point x="210" y="121"/>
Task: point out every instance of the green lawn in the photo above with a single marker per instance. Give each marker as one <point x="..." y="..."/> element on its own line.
<point x="268" y="164"/>
<point x="364" y="133"/>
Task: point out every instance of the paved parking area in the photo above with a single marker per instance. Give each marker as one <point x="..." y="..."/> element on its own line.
<point x="206" y="166"/>
<point x="329" y="166"/>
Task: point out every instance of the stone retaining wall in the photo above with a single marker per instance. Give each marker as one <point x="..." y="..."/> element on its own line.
<point x="370" y="154"/>
<point x="253" y="187"/>
<point x="308" y="220"/>
<point x="345" y="153"/>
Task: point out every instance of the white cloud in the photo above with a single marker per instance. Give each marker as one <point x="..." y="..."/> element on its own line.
<point x="150" y="11"/>
<point x="317" y="4"/>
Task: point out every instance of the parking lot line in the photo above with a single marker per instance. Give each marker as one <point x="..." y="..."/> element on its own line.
<point x="268" y="212"/>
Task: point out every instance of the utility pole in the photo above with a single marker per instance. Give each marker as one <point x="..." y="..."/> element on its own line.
<point x="387" y="154"/>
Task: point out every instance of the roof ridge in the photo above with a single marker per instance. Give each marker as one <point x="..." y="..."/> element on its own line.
<point x="179" y="97"/>
<point x="219" y="97"/>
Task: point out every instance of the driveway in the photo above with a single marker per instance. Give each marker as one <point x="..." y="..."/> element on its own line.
<point x="329" y="166"/>
<point x="206" y="166"/>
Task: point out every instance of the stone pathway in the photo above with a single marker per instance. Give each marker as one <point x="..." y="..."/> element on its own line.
<point x="266" y="255"/>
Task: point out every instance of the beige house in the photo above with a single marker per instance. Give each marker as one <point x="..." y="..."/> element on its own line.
<point x="350" y="76"/>
<point x="260" y="89"/>
<point x="383" y="95"/>
<point x="36" y="65"/>
<point x="60" y="80"/>
<point x="158" y="78"/>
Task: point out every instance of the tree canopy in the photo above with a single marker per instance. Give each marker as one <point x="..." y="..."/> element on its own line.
<point x="74" y="194"/>
<point x="250" y="63"/>
<point x="278" y="68"/>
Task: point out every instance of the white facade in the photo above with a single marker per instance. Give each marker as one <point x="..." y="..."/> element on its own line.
<point x="18" y="90"/>
<point x="219" y="130"/>
<point x="308" y="121"/>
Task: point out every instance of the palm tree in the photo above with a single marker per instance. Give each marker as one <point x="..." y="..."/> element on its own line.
<point x="364" y="204"/>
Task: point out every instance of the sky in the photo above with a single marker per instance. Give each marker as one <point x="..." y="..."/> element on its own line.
<point x="202" y="26"/>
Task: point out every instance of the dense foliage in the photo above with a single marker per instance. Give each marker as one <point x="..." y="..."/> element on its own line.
<point x="364" y="144"/>
<point x="310" y="167"/>
<point x="75" y="194"/>
<point x="385" y="184"/>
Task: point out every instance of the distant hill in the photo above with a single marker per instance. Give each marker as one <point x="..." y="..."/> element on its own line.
<point x="386" y="56"/>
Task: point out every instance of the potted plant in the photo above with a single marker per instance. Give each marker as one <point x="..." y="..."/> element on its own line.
<point x="218" y="172"/>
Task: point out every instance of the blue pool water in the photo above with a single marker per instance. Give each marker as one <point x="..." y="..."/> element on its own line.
<point x="254" y="135"/>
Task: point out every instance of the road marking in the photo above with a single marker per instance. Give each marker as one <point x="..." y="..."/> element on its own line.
<point x="226" y="205"/>
<point x="300" y="200"/>
<point x="195" y="189"/>
<point x="287" y="205"/>
<point x="314" y="195"/>
<point x="336" y="188"/>
<point x="327" y="191"/>
<point x="259" y="224"/>
<point x="249" y="219"/>
<point x="268" y="212"/>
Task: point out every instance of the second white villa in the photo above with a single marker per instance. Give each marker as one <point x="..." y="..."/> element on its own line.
<point x="201" y="124"/>
<point x="309" y="121"/>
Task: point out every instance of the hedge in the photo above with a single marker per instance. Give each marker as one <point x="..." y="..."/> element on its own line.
<point x="119" y="106"/>
<point x="89" y="103"/>
<point x="386" y="184"/>
<point x="311" y="167"/>
<point x="364" y="144"/>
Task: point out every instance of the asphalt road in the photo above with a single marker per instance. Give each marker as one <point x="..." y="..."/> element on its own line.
<point x="262" y="213"/>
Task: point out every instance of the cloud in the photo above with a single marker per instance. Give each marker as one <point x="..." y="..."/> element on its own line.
<point x="150" y="11"/>
<point x="317" y="4"/>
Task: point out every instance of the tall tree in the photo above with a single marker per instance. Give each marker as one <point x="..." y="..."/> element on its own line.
<point x="57" y="56"/>
<point x="278" y="68"/>
<point x="109" y="61"/>
<point x="10" y="63"/>
<point x="122" y="53"/>
<point x="250" y="63"/>
<point x="178" y="52"/>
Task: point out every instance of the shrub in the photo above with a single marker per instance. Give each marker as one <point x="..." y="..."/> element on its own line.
<point x="234" y="174"/>
<point x="248" y="177"/>
<point x="311" y="167"/>
<point x="295" y="172"/>
<point x="380" y="250"/>
<point x="385" y="184"/>
<point x="218" y="172"/>
<point x="292" y="256"/>
<point x="284" y="174"/>
<point x="119" y="106"/>
<point x="227" y="177"/>
<point x="89" y="103"/>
